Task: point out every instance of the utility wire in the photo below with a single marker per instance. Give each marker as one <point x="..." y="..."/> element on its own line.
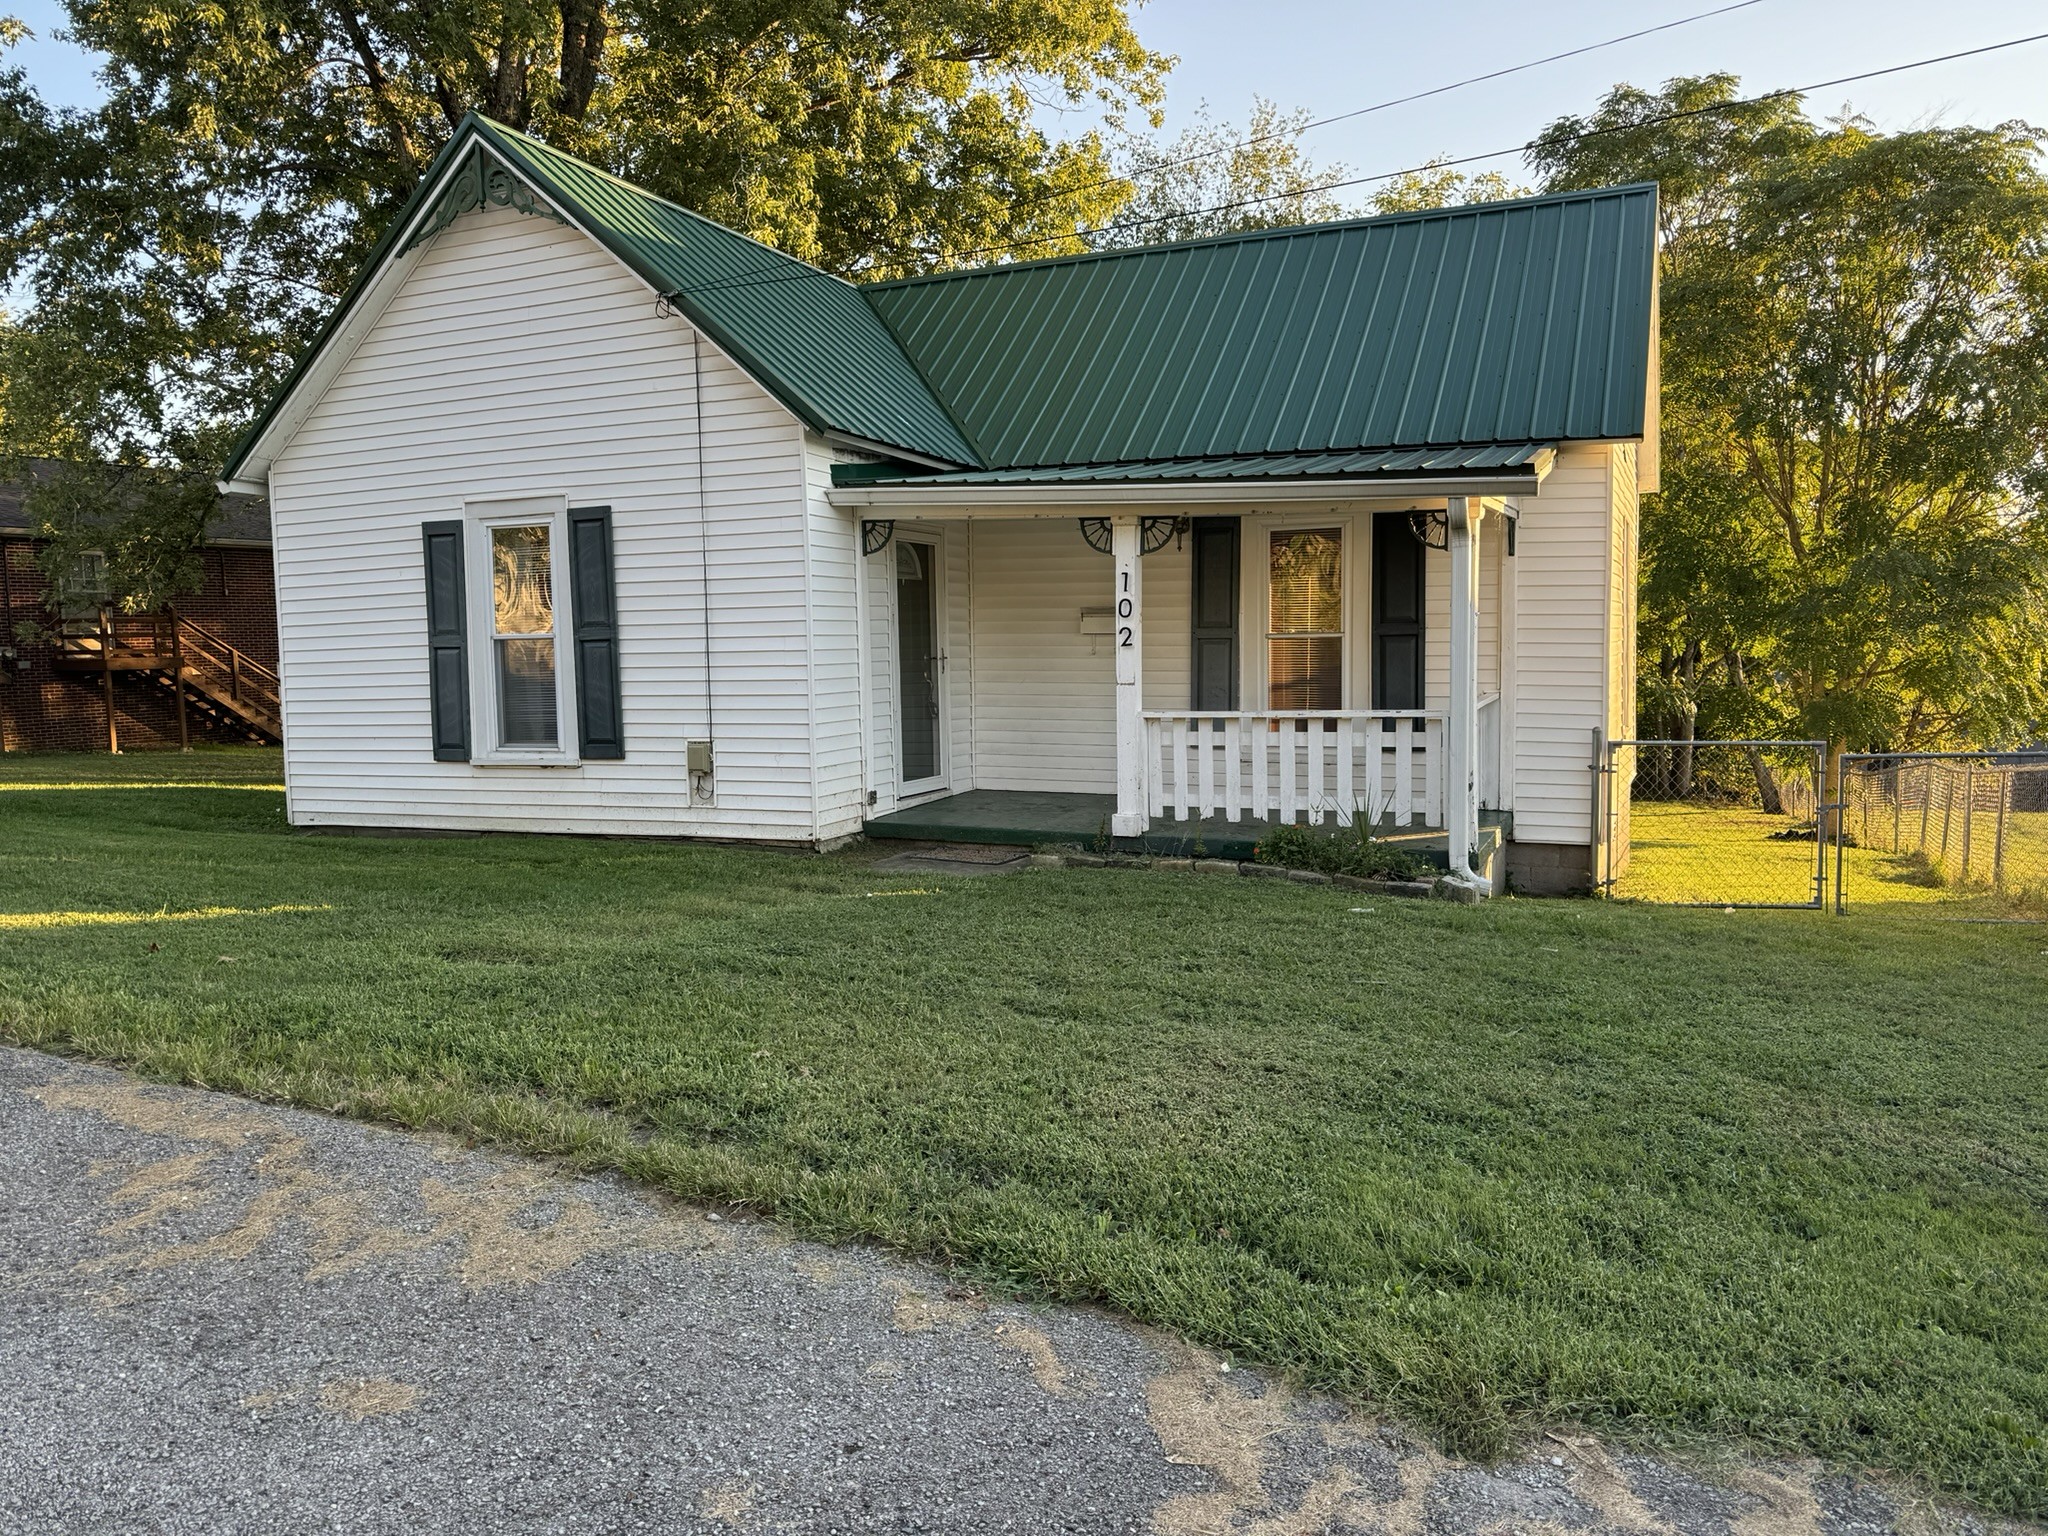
<point x="1495" y="154"/>
<point x="767" y="277"/>
<point x="1156" y="167"/>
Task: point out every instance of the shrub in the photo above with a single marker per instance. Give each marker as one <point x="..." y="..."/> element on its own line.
<point x="1344" y="851"/>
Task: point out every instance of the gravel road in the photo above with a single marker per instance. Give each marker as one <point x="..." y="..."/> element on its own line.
<point x="222" y="1317"/>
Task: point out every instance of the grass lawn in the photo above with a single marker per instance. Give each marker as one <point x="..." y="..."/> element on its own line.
<point x="1708" y="853"/>
<point x="1716" y="854"/>
<point x="1677" y="1174"/>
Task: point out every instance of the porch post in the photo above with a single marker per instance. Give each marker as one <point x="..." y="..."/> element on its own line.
<point x="1461" y="737"/>
<point x="1126" y="548"/>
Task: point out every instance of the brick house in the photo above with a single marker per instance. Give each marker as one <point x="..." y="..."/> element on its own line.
<point x="76" y="677"/>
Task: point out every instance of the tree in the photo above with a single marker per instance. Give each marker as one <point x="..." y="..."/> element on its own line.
<point x="1213" y="179"/>
<point x="1438" y="186"/>
<point x="176" y="247"/>
<point x="1850" y="544"/>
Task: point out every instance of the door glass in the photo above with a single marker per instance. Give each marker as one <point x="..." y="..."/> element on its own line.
<point x="1305" y="633"/>
<point x="917" y="661"/>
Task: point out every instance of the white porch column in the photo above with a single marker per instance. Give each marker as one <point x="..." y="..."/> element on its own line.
<point x="1461" y="736"/>
<point x="1126" y="550"/>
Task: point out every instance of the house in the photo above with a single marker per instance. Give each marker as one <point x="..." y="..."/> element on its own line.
<point x="593" y="516"/>
<point x="77" y="675"/>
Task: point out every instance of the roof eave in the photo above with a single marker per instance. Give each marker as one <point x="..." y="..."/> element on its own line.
<point x="1069" y="498"/>
<point x="388" y="261"/>
<point x="387" y="256"/>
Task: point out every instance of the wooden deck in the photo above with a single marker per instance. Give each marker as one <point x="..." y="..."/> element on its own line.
<point x="1028" y="818"/>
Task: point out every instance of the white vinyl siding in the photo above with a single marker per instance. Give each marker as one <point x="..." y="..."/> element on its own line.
<point x="519" y="359"/>
<point x="1043" y="692"/>
<point x="833" y="535"/>
<point x="1563" y="604"/>
<point x="1621" y="617"/>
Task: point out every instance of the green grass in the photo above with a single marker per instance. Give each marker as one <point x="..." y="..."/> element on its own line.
<point x="1727" y="854"/>
<point x="1684" y="852"/>
<point x="1676" y="1174"/>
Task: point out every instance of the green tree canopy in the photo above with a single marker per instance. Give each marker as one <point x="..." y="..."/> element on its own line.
<point x="1438" y="186"/>
<point x="1215" y="179"/>
<point x="1850" y="543"/>
<point x="171" y="250"/>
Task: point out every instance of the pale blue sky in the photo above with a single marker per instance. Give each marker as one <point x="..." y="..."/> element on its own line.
<point x="1334" y="55"/>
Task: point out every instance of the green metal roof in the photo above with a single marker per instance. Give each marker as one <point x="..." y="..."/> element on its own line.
<point x="1501" y="326"/>
<point x="1505" y="322"/>
<point x="806" y="335"/>
<point x="1407" y="463"/>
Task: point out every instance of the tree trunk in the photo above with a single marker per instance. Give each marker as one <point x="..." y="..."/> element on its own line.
<point x="583" y="35"/>
<point x="1767" y="789"/>
<point x="1688" y="724"/>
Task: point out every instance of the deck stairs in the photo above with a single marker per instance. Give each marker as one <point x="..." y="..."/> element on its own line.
<point x="222" y="684"/>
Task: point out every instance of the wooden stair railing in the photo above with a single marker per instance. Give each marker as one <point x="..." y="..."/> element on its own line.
<point x="185" y="655"/>
<point x="228" y="676"/>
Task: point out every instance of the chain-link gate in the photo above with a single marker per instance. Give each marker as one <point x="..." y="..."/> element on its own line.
<point x="1943" y="834"/>
<point x="1712" y="823"/>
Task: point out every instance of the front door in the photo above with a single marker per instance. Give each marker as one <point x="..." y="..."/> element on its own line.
<point x="920" y="661"/>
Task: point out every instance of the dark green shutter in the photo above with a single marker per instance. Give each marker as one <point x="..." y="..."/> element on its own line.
<point x="447" y="642"/>
<point x="1398" y="571"/>
<point x="1214" y="606"/>
<point x="599" y="719"/>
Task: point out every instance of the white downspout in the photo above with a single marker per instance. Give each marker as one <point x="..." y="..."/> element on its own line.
<point x="1127" y="640"/>
<point x="1461" y="736"/>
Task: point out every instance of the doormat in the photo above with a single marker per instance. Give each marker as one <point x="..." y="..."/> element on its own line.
<point x="971" y="853"/>
<point x="953" y="859"/>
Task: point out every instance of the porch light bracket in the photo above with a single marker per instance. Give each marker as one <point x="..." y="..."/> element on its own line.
<point x="875" y="535"/>
<point x="1432" y="530"/>
<point x="1155" y="533"/>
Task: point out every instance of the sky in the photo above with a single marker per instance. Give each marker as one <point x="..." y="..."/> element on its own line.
<point x="1332" y="56"/>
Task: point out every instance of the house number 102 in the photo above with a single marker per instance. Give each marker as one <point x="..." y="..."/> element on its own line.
<point x="1124" y="610"/>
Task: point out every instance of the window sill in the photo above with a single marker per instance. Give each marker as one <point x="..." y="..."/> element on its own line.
<point x="524" y="760"/>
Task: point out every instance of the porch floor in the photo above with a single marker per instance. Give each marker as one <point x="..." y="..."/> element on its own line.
<point x="1030" y="817"/>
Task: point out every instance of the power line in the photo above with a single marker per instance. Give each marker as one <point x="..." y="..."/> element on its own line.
<point x="778" y="276"/>
<point x="1157" y="167"/>
<point x="1495" y="154"/>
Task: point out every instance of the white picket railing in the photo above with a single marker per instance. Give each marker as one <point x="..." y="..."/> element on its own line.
<point x="1487" y="769"/>
<point x="1385" y="763"/>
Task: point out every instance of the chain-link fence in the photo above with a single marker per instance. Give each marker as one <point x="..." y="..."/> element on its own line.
<point x="1713" y="823"/>
<point x="1944" y="833"/>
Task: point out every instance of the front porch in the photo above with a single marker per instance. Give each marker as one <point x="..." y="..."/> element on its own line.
<point x="1031" y="818"/>
<point x="1026" y="691"/>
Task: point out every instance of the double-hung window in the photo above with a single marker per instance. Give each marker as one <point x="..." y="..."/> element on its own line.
<point x="521" y="671"/>
<point x="522" y="634"/>
<point x="1305" y="619"/>
<point x="523" y="648"/>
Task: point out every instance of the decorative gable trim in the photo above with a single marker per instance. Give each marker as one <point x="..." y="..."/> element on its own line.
<point x="479" y="182"/>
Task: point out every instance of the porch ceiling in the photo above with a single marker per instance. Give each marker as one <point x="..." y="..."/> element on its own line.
<point x="1493" y="469"/>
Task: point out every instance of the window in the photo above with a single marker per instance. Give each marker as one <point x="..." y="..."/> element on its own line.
<point x="1305" y="619"/>
<point x="523" y="634"/>
<point x="84" y="589"/>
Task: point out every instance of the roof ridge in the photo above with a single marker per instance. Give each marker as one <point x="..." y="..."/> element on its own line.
<point x="655" y="197"/>
<point x="1269" y="232"/>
